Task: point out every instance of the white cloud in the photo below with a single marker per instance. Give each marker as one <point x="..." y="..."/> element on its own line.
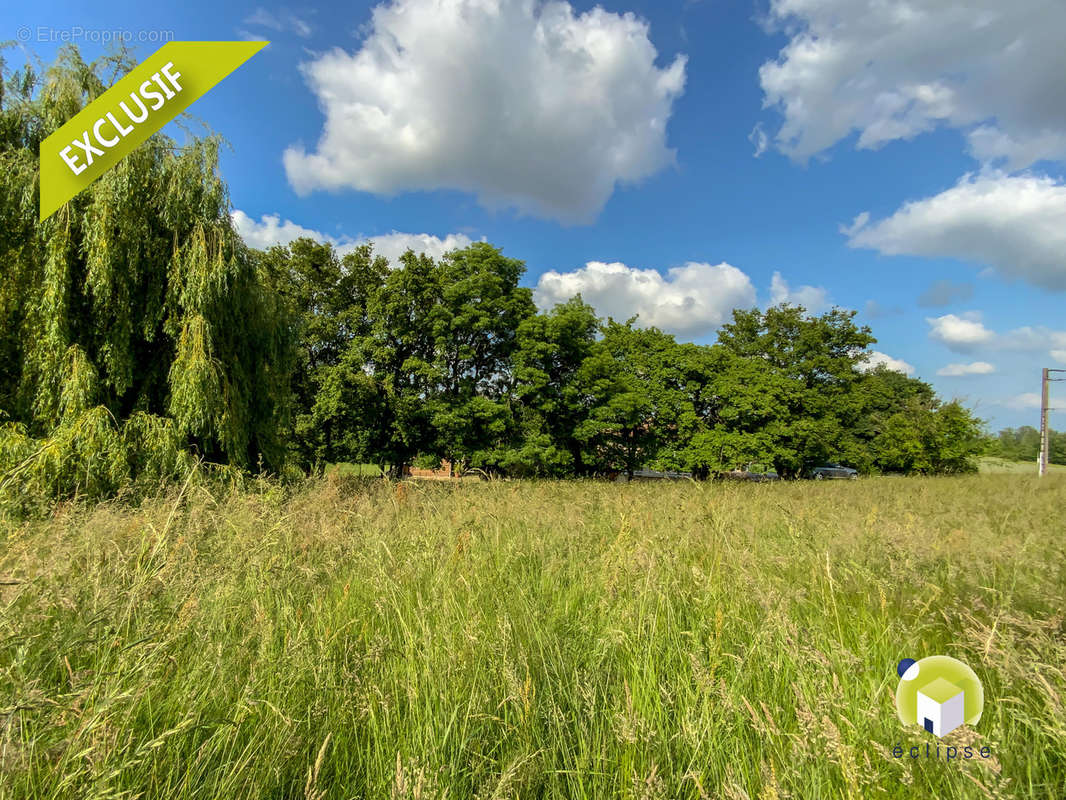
<point x="875" y="358"/>
<point x="1022" y="402"/>
<point x="689" y="301"/>
<point x="974" y="368"/>
<point x="989" y="144"/>
<point x="1016" y="225"/>
<point x="759" y="138"/>
<point x="271" y="230"/>
<point x="967" y="333"/>
<point x="395" y="244"/>
<point x="1030" y="339"/>
<point x="281" y="22"/>
<point x="892" y="69"/>
<point x="856" y="225"/>
<point x="526" y="104"/>
<point x="960" y="333"/>
<point x="1058" y="355"/>
<point x="812" y="298"/>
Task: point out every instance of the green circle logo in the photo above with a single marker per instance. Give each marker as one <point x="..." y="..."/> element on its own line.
<point x="938" y="693"/>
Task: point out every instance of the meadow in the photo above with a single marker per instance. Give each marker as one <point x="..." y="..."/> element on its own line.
<point x="355" y="638"/>
<point x="991" y="464"/>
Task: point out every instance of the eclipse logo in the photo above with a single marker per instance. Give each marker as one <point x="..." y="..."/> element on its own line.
<point x="938" y="693"/>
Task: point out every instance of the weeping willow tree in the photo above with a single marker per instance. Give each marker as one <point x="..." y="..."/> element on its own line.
<point x="135" y="330"/>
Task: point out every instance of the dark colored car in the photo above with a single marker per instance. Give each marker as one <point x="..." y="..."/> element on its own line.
<point x="756" y="473"/>
<point x="834" y="472"/>
<point x="653" y="475"/>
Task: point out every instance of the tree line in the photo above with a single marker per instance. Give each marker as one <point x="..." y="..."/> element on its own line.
<point x="1023" y="444"/>
<point x="450" y="359"/>
<point x="137" y="331"/>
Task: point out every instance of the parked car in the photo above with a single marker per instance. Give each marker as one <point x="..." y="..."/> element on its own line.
<point x="833" y="472"/>
<point x="652" y="475"/>
<point x="756" y="473"/>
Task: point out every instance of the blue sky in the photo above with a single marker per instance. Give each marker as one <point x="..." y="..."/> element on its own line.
<point x="671" y="159"/>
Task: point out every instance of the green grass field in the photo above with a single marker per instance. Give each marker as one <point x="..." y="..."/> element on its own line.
<point x="994" y="465"/>
<point x="359" y="639"/>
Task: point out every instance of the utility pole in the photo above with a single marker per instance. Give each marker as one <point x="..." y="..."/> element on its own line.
<point x="1044" y="454"/>
<point x="1043" y="423"/>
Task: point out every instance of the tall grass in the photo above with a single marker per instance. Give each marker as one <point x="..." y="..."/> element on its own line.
<point x="358" y="639"/>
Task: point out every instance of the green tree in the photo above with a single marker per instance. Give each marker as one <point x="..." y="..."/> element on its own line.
<point x="595" y="398"/>
<point x="398" y="354"/>
<point x="957" y="439"/>
<point x="904" y="427"/>
<point x="551" y="348"/>
<point x="1017" y="444"/>
<point x="1023" y="444"/>
<point x="475" y="330"/>
<point x="136" y="325"/>
<point x="427" y="369"/>
<point x="617" y="432"/>
<point x="328" y="303"/>
<point x="816" y="360"/>
<point x="649" y="395"/>
<point x="734" y="411"/>
<point x="1057" y="447"/>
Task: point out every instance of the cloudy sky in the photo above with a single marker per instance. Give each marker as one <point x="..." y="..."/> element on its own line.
<point x="673" y="159"/>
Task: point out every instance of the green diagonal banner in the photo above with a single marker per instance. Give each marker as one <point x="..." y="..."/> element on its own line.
<point x="123" y="117"/>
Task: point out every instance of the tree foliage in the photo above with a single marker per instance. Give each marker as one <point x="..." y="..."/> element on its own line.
<point x="136" y="329"/>
<point x="405" y="362"/>
<point x="1023" y="444"/>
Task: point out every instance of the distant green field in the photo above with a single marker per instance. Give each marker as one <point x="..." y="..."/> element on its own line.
<point x="1020" y="467"/>
<point x="522" y="639"/>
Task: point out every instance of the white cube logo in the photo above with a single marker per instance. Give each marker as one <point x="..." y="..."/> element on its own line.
<point x="940" y="707"/>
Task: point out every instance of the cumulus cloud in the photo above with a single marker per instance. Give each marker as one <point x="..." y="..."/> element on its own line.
<point x="945" y="292"/>
<point x="395" y="244"/>
<point x="690" y="301"/>
<point x="875" y="358"/>
<point x="1058" y="355"/>
<point x="966" y="333"/>
<point x="1016" y="225"/>
<point x="959" y="370"/>
<point x="960" y="333"/>
<point x="812" y="298"/>
<point x="893" y="69"/>
<point x="990" y="145"/>
<point x="528" y="105"/>
<point x="272" y="230"/>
